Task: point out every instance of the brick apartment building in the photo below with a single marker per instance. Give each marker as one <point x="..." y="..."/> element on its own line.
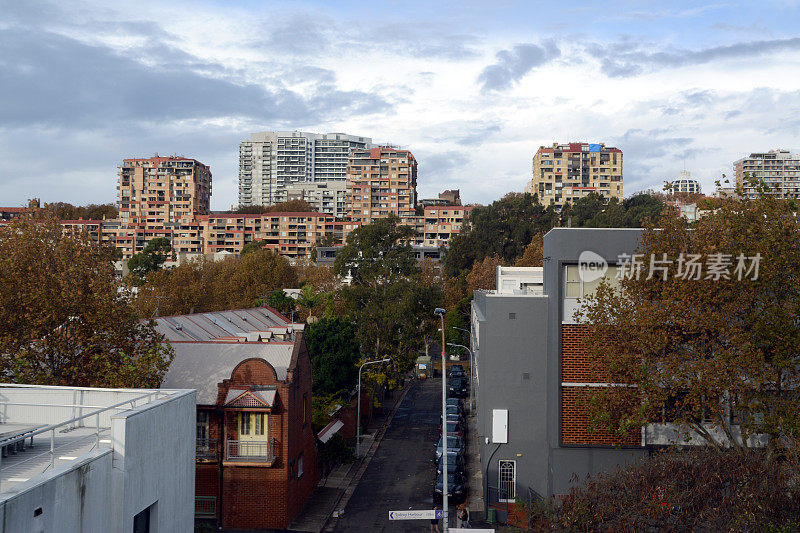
<point x="442" y="222"/>
<point x="256" y="462"/>
<point x="382" y="181"/>
<point x="566" y="172"/>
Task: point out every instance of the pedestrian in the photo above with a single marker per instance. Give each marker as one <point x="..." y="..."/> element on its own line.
<point x="463" y="516"/>
<point x="435" y="523"/>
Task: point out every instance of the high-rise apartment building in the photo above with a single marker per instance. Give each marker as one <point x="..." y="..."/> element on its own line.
<point x="272" y="162"/>
<point x="566" y="172"/>
<point x="382" y="181"/>
<point x="163" y="190"/>
<point x="780" y="169"/>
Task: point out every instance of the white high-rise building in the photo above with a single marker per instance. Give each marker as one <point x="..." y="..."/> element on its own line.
<point x="273" y="162"/>
<point x="685" y="183"/>
<point x="780" y="169"/>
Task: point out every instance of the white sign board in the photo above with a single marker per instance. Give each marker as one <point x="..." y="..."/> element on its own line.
<point x="426" y="514"/>
<point x="500" y="426"/>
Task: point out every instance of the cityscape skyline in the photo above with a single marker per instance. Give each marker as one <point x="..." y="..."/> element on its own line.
<point x="473" y="92"/>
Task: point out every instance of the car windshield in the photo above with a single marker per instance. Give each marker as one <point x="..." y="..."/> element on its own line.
<point x="452" y="442"/>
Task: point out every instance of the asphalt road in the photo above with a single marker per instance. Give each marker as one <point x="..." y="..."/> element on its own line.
<point x="402" y="473"/>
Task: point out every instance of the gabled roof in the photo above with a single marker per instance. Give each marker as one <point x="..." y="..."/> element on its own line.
<point x="203" y="365"/>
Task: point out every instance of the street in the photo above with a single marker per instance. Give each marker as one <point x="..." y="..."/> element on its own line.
<point x="401" y="474"/>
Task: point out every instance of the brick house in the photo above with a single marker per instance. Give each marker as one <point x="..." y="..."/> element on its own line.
<point x="256" y="461"/>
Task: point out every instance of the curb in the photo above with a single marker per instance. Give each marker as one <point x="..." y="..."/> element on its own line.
<point x="344" y="499"/>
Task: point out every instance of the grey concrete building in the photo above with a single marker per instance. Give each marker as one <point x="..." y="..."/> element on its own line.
<point x="79" y="459"/>
<point x="528" y="448"/>
<point x="272" y="161"/>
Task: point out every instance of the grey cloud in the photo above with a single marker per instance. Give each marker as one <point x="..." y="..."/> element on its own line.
<point x="515" y="63"/>
<point x="437" y="164"/>
<point x="57" y="80"/>
<point x="478" y="135"/>
<point x="634" y="61"/>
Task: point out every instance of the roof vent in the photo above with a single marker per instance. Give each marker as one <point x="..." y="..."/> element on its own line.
<point x="178" y="327"/>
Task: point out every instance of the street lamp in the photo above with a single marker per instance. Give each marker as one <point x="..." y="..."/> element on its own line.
<point x="445" y="515"/>
<point x="358" y="420"/>
<point x="471" y="370"/>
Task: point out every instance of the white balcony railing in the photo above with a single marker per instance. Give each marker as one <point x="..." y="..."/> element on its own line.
<point x="250" y="450"/>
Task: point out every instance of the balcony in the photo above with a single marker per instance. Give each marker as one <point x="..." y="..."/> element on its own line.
<point x="251" y="451"/>
<point x="206" y="450"/>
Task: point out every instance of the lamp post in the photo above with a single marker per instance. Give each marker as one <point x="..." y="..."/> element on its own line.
<point x="358" y="420"/>
<point x="471" y="359"/>
<point x="445" y="515"/>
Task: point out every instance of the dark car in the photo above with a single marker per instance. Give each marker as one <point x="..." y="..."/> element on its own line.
<point x="457" y="371"/>
<point x="454" y="402"/>
<point x="453" y="413"/>
<point x="455" y="463"/>
<point x="454" y="428"/>
<point x="457" y="387"/>
<point x="456" y="486"/>
<point x="455" y="446"/>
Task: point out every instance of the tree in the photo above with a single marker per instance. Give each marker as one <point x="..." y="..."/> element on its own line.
<point x="334" y="355"/>
<point x="719" y="355"/>
<point x="503" y="228"/>
<point x="533" y="256"/>
<point x="150" y="259"/>
<point x="204" y="285"/>
<point x="65" y="211"/>
<point x="62" y="318"/>
<point x="280" y="301"/>
<point x="378" y="253"/>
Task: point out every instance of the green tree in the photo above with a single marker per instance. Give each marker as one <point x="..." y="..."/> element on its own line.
<point x="62" y="318"/>
<point x="334" y="355"/>
<point x="717" y="355"/>
<point x="280" y="301"/>
<point x="503" y="228"/>
<point x="150" y="259"/>
<point x="378" y="253"/>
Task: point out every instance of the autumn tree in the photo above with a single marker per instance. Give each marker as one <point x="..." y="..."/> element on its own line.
<point x="533" y="256"/>
<point x="204" y="285"/>
<point x="710" y="340"/>
<point x="62" y="318"/>
<point x="66" y="211"/>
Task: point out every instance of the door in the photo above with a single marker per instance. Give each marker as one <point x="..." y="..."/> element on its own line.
<point x="507" y="482"/>
<point x="252" y="433"/>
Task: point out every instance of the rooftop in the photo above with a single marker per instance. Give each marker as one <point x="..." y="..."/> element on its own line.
<point x="43" y="428"/>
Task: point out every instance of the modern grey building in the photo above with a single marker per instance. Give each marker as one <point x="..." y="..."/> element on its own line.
<point x="272" y="161"/>
<point x="87" y="459"/>
<point x="533" y="437"/>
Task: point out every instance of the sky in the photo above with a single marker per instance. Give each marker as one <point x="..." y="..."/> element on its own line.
<point x="473" y="89"/>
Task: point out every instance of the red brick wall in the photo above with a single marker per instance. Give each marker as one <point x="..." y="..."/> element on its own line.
<point x="254" y="497"/>
<point x="576" y="366"/>
<point x="576" y="426"/>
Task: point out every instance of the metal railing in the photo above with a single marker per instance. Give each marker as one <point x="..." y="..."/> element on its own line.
<point x="206" y="449"/>
<point x="205" y="506"/>
<point x="250" y="450"/>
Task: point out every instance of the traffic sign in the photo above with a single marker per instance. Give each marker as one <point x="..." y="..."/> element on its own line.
<point x="422" y="514"/>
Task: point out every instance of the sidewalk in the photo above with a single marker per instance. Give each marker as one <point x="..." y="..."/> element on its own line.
<point x="333" y="492"/>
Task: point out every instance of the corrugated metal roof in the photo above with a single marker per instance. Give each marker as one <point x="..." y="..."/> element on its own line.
<point x="202" y="366"/>
<point x="220" y="324"/>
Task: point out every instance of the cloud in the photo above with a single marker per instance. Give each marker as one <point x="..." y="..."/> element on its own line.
<point x="51" y="79"/>
<point x="623" y="64"/>
<point x="515" y="63"/>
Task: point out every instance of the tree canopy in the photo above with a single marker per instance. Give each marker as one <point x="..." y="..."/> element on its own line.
<point x="711" y="341"/>
<point x="150" y="259"/>
<point x="334" y="354"/>
<point x="62" y="319"/>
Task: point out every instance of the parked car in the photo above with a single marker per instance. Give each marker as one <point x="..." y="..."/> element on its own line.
<point x="454" y="428"/>
<point x="455" y="463"/>
<point x="457" y="371"/>
<point x="453" y="413"/>
<point x="457" y="387"/>
<point x="455" y="446"/>
<point x="454" y="402"/>
<point x="456" y="486"/>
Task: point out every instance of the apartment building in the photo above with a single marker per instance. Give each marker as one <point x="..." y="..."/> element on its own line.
<point x="780" y="169"/>
<point x="566" y="172"/>
<point x="94" y="459"/>
<point x="442" y="222"/>
<point x="685" y="183"/>
<point x="271" y="161"/>
<point x="448" y="197"/>
<point x="382" y="181"/>
<point x="256" y="459"/>
<point x="290" y="234"/>
<point x="327" y="197"/>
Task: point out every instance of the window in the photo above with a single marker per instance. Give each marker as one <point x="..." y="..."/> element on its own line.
<point x="300" y="465"/>
<point x="202" y="424"/>
<point x="507" y="477"/>
<point x="142" y="520"/>
<point x="252" y="425"/>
